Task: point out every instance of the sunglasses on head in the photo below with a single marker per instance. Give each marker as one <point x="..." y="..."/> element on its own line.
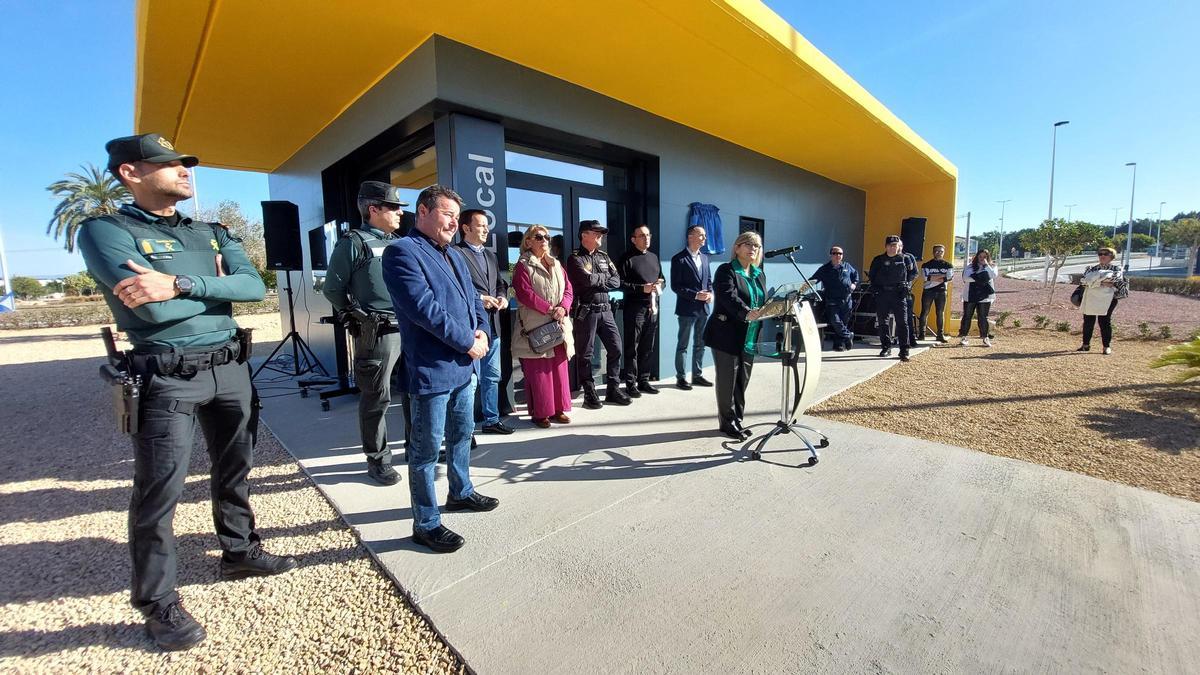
<point x="540" y="237"/>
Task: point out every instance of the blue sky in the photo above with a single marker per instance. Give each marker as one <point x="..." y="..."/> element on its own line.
<point x="982" y="82"/>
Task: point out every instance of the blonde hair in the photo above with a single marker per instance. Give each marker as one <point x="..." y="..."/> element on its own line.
<point x="533" y="229"/>
<point x="748" y="238"/>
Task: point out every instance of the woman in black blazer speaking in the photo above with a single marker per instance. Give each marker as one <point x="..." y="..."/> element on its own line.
<point x="739" y="291"/>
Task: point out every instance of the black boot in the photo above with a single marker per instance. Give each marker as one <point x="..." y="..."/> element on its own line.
<point x="631" y="390"/>
<point x="590" y="400"/>
<point x="615" y="396"/>
<point x="381" y="473"/>
<point x="173" y="629"/>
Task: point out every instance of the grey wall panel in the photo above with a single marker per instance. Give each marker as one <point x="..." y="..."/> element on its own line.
<point x="409" y="86"/>
<point x="798" y="207"/>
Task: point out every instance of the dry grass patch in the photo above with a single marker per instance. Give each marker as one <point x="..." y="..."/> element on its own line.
<point x="1032" y="397"/>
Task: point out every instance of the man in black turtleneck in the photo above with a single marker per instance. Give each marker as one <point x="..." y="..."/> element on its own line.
<point x="642" y="281"/>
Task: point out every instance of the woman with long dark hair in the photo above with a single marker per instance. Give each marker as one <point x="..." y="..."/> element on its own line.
<point x="739" y="291"/>
<point x="1103" y="284"/>
<point x="980" y="278"/>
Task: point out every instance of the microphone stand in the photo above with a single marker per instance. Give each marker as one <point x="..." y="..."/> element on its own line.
<point x="787" y="423"/>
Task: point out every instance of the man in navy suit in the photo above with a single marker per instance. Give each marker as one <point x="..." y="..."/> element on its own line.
<point x="443" y="331"/>
<point x="691" y="281"/>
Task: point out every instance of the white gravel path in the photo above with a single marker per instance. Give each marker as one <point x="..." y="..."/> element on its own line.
<point x="63" y="497"/>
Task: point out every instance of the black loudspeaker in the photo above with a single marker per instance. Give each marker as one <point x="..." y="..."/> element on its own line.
<point x="281" y="231"/>
<point x="912" y="233"/>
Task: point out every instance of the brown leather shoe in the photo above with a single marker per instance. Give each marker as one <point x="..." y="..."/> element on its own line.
<point x="561" y="418"/>
<point x="543" y="422"/>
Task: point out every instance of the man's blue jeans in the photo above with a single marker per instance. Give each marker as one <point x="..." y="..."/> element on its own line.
<point x="489" y="384"/>
<point x="449" y="415"/>
<point x="690" y="327"/>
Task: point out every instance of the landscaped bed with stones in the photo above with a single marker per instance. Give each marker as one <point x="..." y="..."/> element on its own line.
<point x="1032" y="397"/>
<point x="65" y="594"/>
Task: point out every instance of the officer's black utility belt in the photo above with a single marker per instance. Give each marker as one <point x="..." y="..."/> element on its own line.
<point x="890" y="288"/>
<point x="595" y="306"/>
<point x="186" y="361"/>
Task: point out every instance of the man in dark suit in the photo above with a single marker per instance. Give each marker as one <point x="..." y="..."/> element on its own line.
<point x="691" y="281"/>
<point x="442" y="333"/>
<point x="493" y="292"/>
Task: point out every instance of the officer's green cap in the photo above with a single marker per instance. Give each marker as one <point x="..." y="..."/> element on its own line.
<point x="144" y="148"/>
<point x="592" y="226"/>
<point x="380" y="192"/>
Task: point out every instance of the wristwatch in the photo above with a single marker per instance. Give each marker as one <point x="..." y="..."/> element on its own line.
<point x="184" y="285"/>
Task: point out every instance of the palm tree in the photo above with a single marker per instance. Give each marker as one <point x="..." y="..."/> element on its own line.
<point x="95" y="192"/>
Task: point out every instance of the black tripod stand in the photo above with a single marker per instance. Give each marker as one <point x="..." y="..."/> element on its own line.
<point x="300" y="350"/>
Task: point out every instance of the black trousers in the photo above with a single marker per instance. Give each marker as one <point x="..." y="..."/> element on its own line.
<point x="1105" y="321"/>
<point x="929" y="298"/>
<point x="220" y="400"/>
<point x="733" y="376"/>
<point x="587" y="325"/>
<point x="893" y="302"/>
<point x="980" y="309"/>
<point x="373" y="365"/>
<point x="641" y="334"/>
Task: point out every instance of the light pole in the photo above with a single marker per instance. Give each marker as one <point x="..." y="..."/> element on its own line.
<point x="1000" y="257"/>
<point x="1129" y="231"/>
<point x="1053" y="151"/>
<point x="1158" y="237"/>
<point x="967" y="248"/>
<point x="1116" y="210"/>
<point x="1069" y="207"/>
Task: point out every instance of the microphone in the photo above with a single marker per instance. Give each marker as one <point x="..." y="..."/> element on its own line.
<point x="783" y="251"/>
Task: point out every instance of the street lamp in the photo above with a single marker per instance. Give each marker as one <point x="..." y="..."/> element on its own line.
<point x="1116" y="210"/>
<point x="1000" y="257"/>
<point x="1069" y="207"/>
<point x="1158" y="237"/>
<point x="1129" y="232"/>
<point x="1053" y="150"/>
<point x="967" y="248"/>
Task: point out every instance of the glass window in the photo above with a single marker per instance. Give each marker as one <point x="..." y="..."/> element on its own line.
<point x="528" y="160"/>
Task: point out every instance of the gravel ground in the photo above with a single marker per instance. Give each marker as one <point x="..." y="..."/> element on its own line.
<point x="1032" y="397"/>
<point x="1026" y="299"/>
<point x="64" y="498"/>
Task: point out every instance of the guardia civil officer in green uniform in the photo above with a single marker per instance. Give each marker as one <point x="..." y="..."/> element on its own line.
<point x="170" y="282"/>
<point x="354" y="286"/>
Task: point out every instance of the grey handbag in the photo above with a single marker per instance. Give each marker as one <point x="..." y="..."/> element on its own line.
<point x="545" y="337"/>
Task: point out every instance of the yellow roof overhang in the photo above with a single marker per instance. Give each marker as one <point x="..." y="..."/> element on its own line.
<point x="245" y="84"/>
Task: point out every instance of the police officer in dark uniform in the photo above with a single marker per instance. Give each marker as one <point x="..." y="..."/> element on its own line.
<point x="170" y="283"/>
<point x="593" y="274"/>
<point x="892" y="274"/>
<point x="354" y="286"/>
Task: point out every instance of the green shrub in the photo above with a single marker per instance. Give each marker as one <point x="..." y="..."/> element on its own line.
<point x="1164" y="332"/>
<point x="1002" y="317"/>
<point x="1041" y="321"/>
<point x="1062" y="327"/>
<point x="1144" y="330"/>
<point x="1016" y="323"/>
<point x="1186" y="355"/>
<point x="1170" y="285"/>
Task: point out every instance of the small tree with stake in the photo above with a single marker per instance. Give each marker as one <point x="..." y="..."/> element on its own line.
<point x="1057" y="239"/>
<point x="1184" y="232"/>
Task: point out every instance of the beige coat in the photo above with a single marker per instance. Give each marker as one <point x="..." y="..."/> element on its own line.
<point x="550" y="285"/>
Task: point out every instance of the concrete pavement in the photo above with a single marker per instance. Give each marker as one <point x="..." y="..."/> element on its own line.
<point x="636" y="539"/>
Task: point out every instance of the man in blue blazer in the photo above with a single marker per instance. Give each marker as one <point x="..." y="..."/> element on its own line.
<point x="443" y="331"/>
<point x="691" y="281"/>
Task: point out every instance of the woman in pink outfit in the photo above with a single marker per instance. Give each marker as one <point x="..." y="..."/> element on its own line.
<point x="544" y="295"/>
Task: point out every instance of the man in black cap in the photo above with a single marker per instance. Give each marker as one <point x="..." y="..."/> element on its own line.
<point x="593" y="274"/>
<point x="170" y="283"/>
<point x="892" y="274"/>
<point x="354" y="286"/>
